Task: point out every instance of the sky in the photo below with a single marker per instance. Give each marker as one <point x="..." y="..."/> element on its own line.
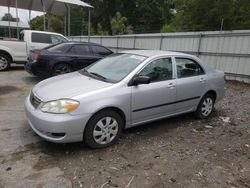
<point x="22" y="14"/>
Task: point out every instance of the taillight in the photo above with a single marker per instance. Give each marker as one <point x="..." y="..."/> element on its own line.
<point x="225" y="77"/>
<point x="37" y="56"/>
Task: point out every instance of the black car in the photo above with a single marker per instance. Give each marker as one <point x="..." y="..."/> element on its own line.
<point x="64" y="58"/>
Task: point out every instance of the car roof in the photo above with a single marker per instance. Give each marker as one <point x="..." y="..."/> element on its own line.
<point x="150" y="53"/>
<point x="72" y="42"/>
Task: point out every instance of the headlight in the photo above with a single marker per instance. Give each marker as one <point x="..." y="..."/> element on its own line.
<point x="61" y="106"/>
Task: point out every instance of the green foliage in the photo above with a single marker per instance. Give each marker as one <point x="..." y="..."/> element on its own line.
<point x="142" y="15"/>
<point x="118" y="25"/>
<point x="37" y="23"/>
<point x="170" y="28"/>
<point x="199" y="15"/>
<point x="53" y="23"/>
<point x="152" y="16"/>
<point x="100" y="30"/>
<point x="56" y="24"/>
<point x="9" y="17"/>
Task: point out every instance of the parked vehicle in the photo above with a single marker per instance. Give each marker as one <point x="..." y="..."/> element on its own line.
<point x="64" y="58"/>
<point x="119" y="92"/>
<point x="17" y="51"/>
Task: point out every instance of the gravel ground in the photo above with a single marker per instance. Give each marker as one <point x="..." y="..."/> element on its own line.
<point x="176" y="152"/>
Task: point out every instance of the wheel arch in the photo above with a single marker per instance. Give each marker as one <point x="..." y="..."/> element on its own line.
<point x="7" y="54"/>
<point x="111" y="108"/>
<point x="213" y="93"/>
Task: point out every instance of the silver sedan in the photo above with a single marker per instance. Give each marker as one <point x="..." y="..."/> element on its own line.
<point x="121" y="91"/>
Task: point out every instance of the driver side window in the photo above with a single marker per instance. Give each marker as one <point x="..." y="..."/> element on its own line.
<point x="158" y="70"/>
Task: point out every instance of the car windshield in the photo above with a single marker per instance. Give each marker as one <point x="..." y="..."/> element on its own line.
<point x="114" y="67"/>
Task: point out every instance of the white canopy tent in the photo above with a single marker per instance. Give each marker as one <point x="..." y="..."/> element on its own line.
<point x="57" y="7"/>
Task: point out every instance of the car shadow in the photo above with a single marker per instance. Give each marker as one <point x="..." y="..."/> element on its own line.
<point x="16" y="68"/>
<point x="144" y="131"/>
<point x="30" y="79"/>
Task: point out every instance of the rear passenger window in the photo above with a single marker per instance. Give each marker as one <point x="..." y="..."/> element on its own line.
<point x="80" y="50"/>
<point x="100" y="50"/>
<point x="41" y="38"/>
<point x="188" y="68"/>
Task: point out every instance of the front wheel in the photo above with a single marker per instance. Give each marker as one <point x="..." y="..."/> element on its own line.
<point x="103" y="129"/>
<point x="205" y="107"/>
<point x="5" y="62"/>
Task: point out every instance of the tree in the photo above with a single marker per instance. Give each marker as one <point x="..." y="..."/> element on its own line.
<point x="201" y="15"/>
<point x="37" y="23"/>
<point x="9" y="17"/>
<point x="118" y="25"/>
<point x="55" y="23"/>
<point x="142" y="15"/>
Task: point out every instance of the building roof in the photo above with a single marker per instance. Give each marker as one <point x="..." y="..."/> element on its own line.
<point x="58" y="7"/>
<point x="14" y="24"/>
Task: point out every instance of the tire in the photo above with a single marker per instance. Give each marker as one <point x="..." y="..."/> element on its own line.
<point x="61" y="69"/>
<point x="103" y="129"/>
<point x="205" y="107"/>
<point x="5" y="62"/>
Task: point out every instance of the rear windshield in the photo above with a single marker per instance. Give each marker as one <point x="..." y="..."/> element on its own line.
<point x="41" y="38"/>
<point x="63" y="47"/>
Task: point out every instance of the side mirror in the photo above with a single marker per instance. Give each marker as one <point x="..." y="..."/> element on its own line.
<point x="141" y="80"/>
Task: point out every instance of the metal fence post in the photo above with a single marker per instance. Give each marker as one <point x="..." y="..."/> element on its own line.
<point x="199" y="45"/>
<point x="117" y="44"/>
<point x="101" y="40"/>
<point x="134" y="41"/>
<point x="161" y="42"/>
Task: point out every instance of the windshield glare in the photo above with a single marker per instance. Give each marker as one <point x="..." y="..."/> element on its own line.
<point x="117" y="66"/>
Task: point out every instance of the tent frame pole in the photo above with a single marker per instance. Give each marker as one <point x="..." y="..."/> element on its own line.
<point x="17" y="22"/>
<point x="9" y="21"/>
<point x="68" y="20"/>
<point x="44" y="15"/>
<point x="65" y="25"/>
<point x="89" y="26"/>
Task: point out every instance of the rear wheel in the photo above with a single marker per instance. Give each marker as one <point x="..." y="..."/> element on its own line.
<point x="103" y="129"/>
<point x="61" y="69"/>
<point x="205" y="107"/>
<point x="5" y="62"/>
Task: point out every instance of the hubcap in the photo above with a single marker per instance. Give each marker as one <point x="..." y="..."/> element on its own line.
<point x="207" y="107"/>
<point x="63" y="69"/>
<point x="3" y="63"/>
<point x="105" y="130"/>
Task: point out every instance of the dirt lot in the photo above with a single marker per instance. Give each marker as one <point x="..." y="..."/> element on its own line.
<point x="176" y="152"/>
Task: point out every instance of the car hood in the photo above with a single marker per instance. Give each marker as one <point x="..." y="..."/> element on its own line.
<point x="67" y="86"/>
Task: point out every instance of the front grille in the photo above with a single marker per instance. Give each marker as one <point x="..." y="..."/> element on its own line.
<point x="34" y="100"/>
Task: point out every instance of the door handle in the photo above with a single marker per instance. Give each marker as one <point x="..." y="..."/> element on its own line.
<point x="203" y="80"/>
<point x="171" y="85"/>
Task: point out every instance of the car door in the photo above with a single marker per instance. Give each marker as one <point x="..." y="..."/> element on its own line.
<point x="154" y="100"/>
<point x="190" y="83"/>
<point x="81" y="55"/>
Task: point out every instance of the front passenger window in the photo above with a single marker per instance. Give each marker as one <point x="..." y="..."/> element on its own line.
<point x="158" y="70"/>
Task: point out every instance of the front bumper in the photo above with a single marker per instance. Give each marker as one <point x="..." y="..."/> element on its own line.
<point x="57" y="128"/>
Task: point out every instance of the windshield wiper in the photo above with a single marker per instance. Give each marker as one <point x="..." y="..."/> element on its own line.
<point x="94" y="75"/>
<point x="84" y="71"/>
<point x="98" y="75"/>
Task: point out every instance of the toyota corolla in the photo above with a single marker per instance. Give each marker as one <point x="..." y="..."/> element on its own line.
<point x="120" y="91"/>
